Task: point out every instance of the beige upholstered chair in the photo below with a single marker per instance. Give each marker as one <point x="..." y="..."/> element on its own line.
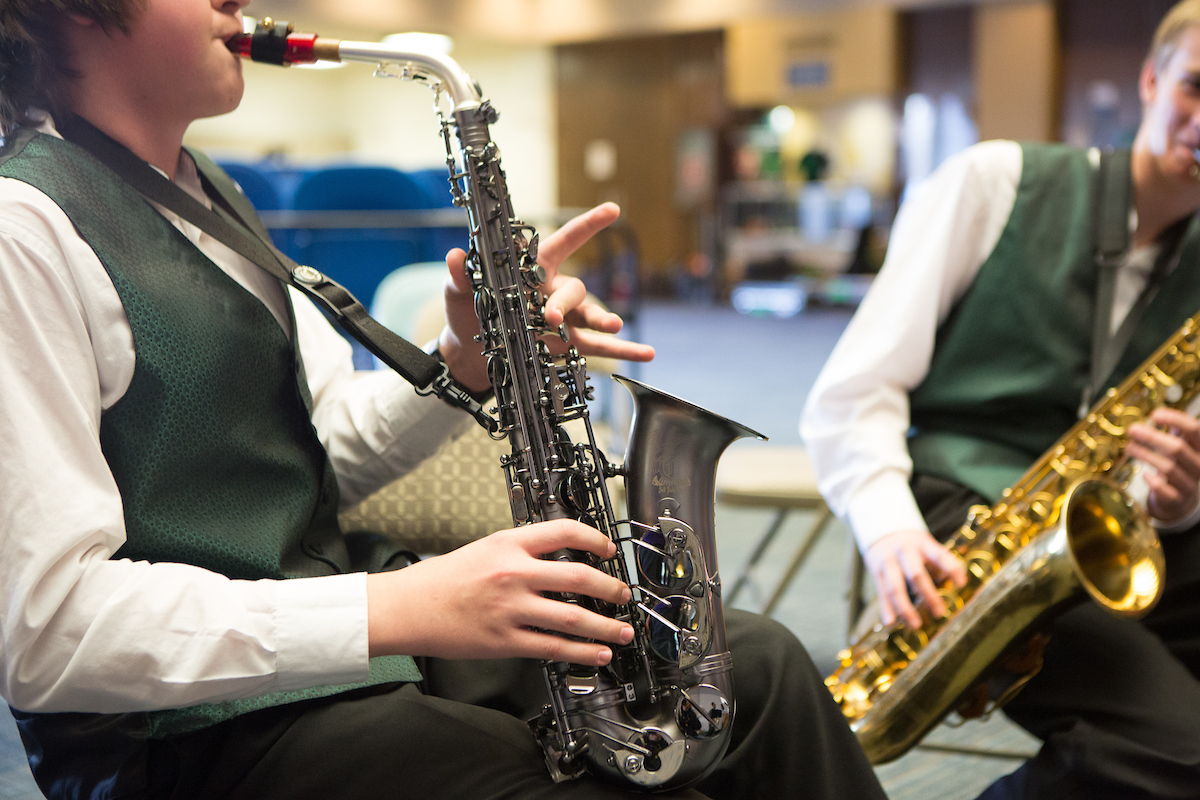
<point x="455" y="497"/>
<point x="459" y="494"/>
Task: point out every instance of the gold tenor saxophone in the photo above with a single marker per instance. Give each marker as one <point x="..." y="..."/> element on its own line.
<point x="659" y="716"/>
<point x="1067" y="530"/>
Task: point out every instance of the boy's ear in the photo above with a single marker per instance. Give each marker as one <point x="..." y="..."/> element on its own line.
<point x="81" y="20"/>
<point x="1148" y="81"/>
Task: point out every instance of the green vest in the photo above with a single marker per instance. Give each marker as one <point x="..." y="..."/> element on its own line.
<point x="1012" y="359"/>
<point x="212" y="446"/>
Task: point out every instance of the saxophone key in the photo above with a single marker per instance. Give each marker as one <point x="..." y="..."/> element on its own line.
<point x="558" y="394"/>
<point x="520" y="508"/>
<point x="952" y="598"/>
<point x="981" y="564"/>
<point x="1109" y="426"/>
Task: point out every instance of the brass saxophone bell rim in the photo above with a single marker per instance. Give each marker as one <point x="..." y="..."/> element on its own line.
<point x="1119" y="561"/>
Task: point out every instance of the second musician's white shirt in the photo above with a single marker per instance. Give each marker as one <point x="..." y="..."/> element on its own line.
<point x="82" y="632"/>
<point x="856" y="418"/>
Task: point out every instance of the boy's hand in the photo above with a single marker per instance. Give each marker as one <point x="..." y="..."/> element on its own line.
<point x="485" y="600"/>
<point x="589" y="326"/>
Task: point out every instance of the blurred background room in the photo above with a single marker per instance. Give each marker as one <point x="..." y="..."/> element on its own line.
<point x="759" y="150"/>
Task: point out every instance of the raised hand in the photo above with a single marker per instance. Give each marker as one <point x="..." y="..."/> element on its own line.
<point x="590" y="327"/>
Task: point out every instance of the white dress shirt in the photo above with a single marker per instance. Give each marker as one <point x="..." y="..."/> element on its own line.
<point x="856" y="418"/>
<point x="80" y="631"/>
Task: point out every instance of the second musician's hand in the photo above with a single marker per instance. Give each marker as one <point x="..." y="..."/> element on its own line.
<point x="903" y="559"/>
<point x="1169" y="443"/>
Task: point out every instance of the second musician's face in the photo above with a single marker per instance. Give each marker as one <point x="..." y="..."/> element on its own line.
<point x="1171" y="108"/>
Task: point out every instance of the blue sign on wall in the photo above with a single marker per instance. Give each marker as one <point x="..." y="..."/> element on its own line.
<point x="808" y="74"/>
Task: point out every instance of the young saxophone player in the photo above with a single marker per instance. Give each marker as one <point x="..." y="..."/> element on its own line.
<point x="969" y="359"/>
<point x="180" y="615"/>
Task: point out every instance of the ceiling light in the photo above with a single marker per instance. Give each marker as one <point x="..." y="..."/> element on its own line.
<point x="420" y="42"/>
<point x="781" y="119"/>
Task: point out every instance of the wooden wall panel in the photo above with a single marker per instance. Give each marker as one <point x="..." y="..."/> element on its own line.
<point x="857" y="51"/>
<point x="1104" y="43"/>
<point x="937" y="52"/>
<point x="1017" y="92"/>
<point x="640" y="94"/>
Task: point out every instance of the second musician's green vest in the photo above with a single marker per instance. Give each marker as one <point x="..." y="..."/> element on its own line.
<point x="212" y="445"/>
<point x="1011" y="360"/>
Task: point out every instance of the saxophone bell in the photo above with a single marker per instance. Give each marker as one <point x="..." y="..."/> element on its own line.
<point x="660" y="717"/>
<point x="1099" y="544"/>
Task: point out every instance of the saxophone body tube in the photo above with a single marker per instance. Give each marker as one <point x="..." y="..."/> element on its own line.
<point x="659" y="716"/>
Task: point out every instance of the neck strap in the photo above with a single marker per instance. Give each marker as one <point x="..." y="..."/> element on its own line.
<point x="1113" y="201"/>
<point x="428" y="374"/>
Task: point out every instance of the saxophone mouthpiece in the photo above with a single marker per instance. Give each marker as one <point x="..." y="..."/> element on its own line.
<point x="275" y="42"/>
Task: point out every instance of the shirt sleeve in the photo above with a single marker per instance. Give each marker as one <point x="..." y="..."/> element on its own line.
<point x="856" y="418"/>
<point x="374" y="425"/>
<point x="79" y="630"/>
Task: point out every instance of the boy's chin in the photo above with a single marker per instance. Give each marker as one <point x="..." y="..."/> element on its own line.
<point x="225" y="104"/>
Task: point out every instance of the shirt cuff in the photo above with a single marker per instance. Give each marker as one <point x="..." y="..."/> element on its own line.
<point x="883" y="505"/>
<point x="321" y="631"/>
<point x="419" y="425"/>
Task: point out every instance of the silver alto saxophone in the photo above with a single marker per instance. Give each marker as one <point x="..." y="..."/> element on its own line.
<point x="660" y="714"/>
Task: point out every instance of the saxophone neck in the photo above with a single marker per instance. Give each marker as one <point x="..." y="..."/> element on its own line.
<point x="275" y="42"/>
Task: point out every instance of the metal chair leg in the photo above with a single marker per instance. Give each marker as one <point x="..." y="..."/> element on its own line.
<point x="854" y="590"/>
<point x="806" y="544"/>
<point x="748" y="571"/>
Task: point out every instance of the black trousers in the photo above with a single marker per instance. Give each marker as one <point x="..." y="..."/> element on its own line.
<point x="1117" y="702"/>
<point x="461" y="735"/>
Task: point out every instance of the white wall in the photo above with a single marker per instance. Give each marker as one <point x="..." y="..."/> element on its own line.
<point x="347" y="114"/>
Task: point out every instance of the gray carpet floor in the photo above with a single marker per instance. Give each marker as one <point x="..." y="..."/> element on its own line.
<point x="758" y="372"/>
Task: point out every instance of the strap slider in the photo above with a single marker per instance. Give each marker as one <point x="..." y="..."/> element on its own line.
<point x="445" y="388"/>
<point x="307" y="275"/>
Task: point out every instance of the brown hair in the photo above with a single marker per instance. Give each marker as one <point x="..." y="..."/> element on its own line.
<point x="1182" y="16"/>
<point x="34" y="65"/>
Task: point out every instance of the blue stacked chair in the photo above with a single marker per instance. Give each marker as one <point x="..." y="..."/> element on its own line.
<point x="359" y="258"/>
<point x="435" y="182"/>
<point x="268" y="187"/>
<point x="257" y="187"/>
